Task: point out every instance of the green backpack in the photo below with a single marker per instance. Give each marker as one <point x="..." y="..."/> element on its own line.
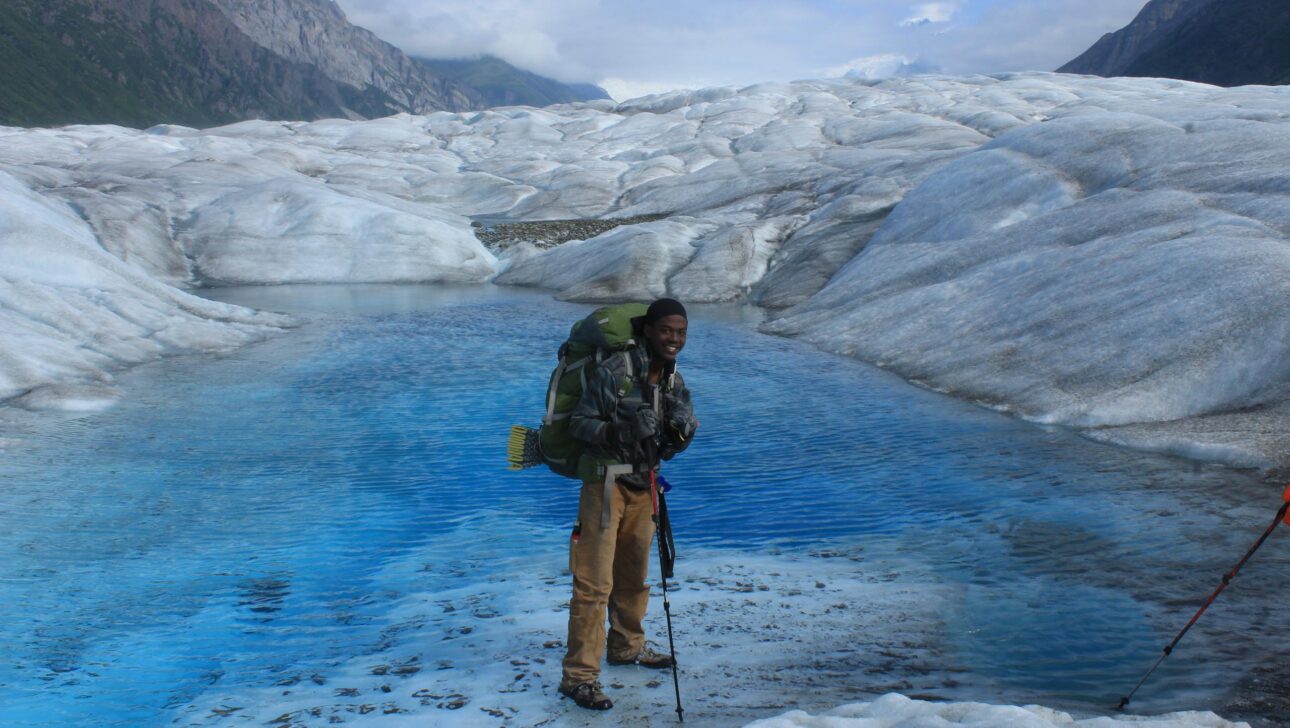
<point x="608" y="331"/>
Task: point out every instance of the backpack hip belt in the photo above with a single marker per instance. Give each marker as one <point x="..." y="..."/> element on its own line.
<point x="611" y="477"/>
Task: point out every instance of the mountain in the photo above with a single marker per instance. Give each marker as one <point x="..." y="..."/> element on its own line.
<point x="589" y="91"/>
<point x="317" y="32"/>
<point x="502" y="84"/>
<point x="208" y="62"/>
<point x="140" y="62"/>
<point x="1114" y="52"/>
<point x="1221" y="42"/>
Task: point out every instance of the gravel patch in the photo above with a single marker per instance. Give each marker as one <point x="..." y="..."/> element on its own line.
<point x="498" y="236"/>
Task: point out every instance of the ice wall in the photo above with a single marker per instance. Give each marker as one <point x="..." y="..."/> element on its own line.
<point x="1118" y="264"/>
<point x="70" y="311"/>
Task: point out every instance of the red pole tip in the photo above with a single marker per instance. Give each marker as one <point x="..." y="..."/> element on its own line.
<point x="1286" y="497"/>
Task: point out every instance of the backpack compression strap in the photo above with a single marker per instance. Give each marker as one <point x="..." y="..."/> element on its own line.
<point x="552" y="388"/>
<point x="551" y="414"/>
<point x="551" y="391"/>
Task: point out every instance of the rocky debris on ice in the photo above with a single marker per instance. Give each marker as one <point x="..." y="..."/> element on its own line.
<point x="542" y="234"/>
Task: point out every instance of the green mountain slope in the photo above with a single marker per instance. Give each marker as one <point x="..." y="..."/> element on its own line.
<point x="144" y="62"/>
<point x="502" y="84"/>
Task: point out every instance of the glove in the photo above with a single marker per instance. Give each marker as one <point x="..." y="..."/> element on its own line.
<point x="644" y="424"/>
<point x="680" y="414"/>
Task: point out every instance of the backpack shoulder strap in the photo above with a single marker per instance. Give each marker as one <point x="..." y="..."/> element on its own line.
<point x="627" y="363"/>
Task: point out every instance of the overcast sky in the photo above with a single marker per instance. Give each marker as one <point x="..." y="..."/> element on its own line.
<point x="641" y="46"/>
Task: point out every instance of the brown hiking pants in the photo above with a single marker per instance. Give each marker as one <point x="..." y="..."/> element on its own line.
<point x="609" y="566"/>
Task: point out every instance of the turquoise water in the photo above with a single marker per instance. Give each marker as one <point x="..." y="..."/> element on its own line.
<point x="239" y="521"/>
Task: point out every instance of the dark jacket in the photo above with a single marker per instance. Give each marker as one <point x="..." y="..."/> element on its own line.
<point x="602" y="404"/>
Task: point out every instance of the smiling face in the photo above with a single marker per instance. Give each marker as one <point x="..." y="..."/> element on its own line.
<point x="666" y="336"/>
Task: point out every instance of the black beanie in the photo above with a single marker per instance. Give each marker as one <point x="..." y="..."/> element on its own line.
<point x="663" y="308"/>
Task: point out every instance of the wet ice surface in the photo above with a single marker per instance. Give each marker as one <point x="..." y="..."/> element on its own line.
<point x="320" y="528"/>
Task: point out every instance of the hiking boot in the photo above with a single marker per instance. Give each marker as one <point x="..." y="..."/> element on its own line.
<point x="646" y="658"/>
<point x="587" y="695"/>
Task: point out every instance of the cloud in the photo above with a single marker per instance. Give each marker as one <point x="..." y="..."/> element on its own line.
<point x="621" y="89"/>
<point x="638" y="47"/>
<point x="527" y="49"/>
<point x="1021" y="35"/>
<point x="885" y="65"/>
<point x="928" y="13"/>
<point x="526" y="33"/>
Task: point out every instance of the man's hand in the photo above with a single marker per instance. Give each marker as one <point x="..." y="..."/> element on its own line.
<point x="680" y="414"/>
<point x="643" y="425"/>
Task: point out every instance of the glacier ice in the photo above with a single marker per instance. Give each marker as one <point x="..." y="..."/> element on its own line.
<point x="70" y="311"/>
<point x="1102" y="253"/>
<point x="301" y="231"/>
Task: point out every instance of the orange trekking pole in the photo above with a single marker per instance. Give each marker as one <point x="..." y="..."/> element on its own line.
<point x="1227" y="579"/>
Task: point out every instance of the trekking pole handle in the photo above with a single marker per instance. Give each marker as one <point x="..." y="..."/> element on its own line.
<point x="647" y="446"/>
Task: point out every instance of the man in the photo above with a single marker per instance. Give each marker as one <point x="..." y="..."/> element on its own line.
<point x="625" y="436"/>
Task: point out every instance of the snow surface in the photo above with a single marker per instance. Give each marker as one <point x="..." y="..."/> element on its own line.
<point x="1108" y="254"/>
<point x="898" y="711"/>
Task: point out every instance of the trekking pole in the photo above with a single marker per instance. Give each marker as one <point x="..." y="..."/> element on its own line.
<point x="666" y="557"/>
<point x="1227" y="579"/>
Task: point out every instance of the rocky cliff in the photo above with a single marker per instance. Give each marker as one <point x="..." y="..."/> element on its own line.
<point x="142" y="62"/>
<point x="1222" y="42"/>
<point x="208" y="62"/>
<point x="317" y="32"/>
<point x="1114" y="52"/>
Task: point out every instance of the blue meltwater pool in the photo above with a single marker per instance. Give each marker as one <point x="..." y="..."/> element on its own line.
<point x="320" y="529"/>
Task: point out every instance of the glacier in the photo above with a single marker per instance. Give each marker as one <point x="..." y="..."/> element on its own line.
<point x="1105" y="254"/>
